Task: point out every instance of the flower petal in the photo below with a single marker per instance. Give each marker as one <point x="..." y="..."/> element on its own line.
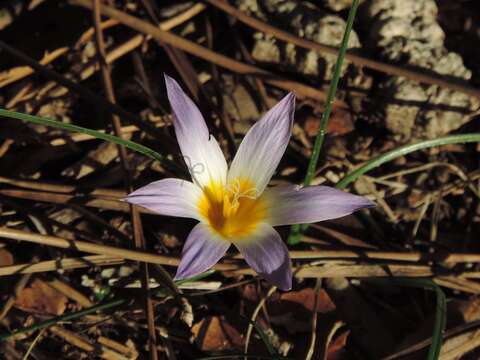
<point x="263" y="146"/>
<point x="171" y="197"/>
<point x="201" y="251"/>
<point x="291" y="204"/>
<point x="200" y="150"/>
<point x="266" y="253"/>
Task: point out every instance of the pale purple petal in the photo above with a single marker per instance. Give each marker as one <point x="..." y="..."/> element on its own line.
<point x="200" y="150"/>
<point x="266" y="253"/>
<point x="263" y="146"/>
<point x="201" y="251"/>
<point x="291" y="204"/>
<point x="171" y="197"/>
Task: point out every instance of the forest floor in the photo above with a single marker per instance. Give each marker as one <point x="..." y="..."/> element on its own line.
<point x="366" y="286"/>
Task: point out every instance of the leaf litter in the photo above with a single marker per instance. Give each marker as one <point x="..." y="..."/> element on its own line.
<point x="428" y="200"/>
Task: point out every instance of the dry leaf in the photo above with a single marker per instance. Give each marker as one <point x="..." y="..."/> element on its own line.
<point x="336" y="347"/>
<point x="6" y="257"/>
<point x="41" y="298"/>
<point x="250" y="293"/>
<point x="469" y="310"/>
<point x="293" y="309"/>
<point x="306" y="298"/>
<point x="292" y="322"/>
<point x="216" y="334"/>
<point x="461" y="312"/>
<point x="340" y="123"/>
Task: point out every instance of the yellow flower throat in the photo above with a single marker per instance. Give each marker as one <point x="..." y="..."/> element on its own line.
<point x="234" y="210"/>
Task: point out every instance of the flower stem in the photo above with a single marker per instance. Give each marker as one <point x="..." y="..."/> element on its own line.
<point x="312" y="165"/>
<point x="296" y="231"/>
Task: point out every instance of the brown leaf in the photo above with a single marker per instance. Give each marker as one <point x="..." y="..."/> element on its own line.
<point x="312" y="124"/>
<point x="293" y="309"/>
<point x="250" y="293"/>
<point x="468" y="309"/>
<point x="41" y="298"/>
<point x="340" y="123"/>
<point x="337" y="346"/>
<point x="6" y="257"/>
<point x="216" y="334"/>
<point x="306" y="298"/>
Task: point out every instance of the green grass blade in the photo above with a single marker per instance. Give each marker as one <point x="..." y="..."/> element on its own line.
<point x="440" y="322"/>
<point x="196" y="277"/>
<point x="296" y="231"/>
<point x="392" y="155"/>
<point x="312" y="165"/>
<point x="404" y="150"/>
<point x="74" y="128"/>
<point x="265" y="340"/>
<point x="67" y="317"/>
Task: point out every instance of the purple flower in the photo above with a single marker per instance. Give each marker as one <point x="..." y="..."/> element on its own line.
<point x="233" y="205"/>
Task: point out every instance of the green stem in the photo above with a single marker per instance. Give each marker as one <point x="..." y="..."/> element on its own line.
<point x="196" y="277"/>
<point x="71" y="316"/>
<point x="392" y="155"/>
<point x="296" y="231"/>
<point x="404" y="150"/>
<point x="312" y="165"/>
<point x="74" y="128"/>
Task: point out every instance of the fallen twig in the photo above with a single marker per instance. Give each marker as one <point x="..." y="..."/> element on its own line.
<point x="190" y="47"/>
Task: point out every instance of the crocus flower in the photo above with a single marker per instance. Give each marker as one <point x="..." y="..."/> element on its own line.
<point x="233" y="204"/>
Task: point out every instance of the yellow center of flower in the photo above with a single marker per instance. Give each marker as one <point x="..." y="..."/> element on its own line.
<point x="234" y="210"/>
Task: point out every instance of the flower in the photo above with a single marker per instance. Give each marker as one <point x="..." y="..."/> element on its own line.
<point x="233" y="204"/>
